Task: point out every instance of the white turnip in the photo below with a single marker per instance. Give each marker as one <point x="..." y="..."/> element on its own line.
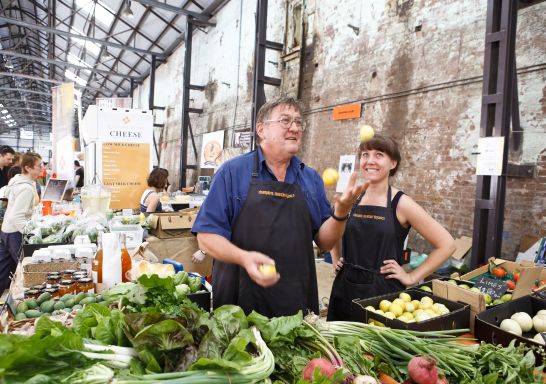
<point x="423" y="370"/>
<point x="364" y="379"/>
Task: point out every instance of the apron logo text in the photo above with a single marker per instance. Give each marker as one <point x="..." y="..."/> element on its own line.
<point x="277" y="194"/>
<point x="373" y="217"/>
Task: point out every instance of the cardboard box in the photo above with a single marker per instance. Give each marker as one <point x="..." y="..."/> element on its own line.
<point x="172" y="224"/>
<point x="527" y="241"/>
<point x="529" y="273"/>
<point x="488" y="323"/>
<point x="180" y="249"/>
<point x="459" y="257"/>
<point x="452" y="292"/>
<point x="458" y="318"/>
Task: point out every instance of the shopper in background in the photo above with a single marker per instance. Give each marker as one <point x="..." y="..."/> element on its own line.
<point x="373" y="241"/>
<point x="79" y="174"/>
<point x="267" y="207"/>
<point x="20" y="195"/>
<point x="6" y="158"/>
<point x="157" y="182"/>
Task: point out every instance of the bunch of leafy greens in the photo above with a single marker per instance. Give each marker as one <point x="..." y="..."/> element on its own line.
<point x="193" y="341"/>
<point x="352" y="354"/>
<point x="151" y="294"/>
<point x="290" y="341"/>
<point x="513" y="364"/>
<point x="49" y="355"/>
<point x="161" y="341"/>
<point x="100" y="323"/>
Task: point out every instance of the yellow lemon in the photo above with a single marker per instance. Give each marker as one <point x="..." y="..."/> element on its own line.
<point x="389" y="315"/>
<point x="330" y="176"/>
<point x="366" y="133"/>
<point x="404" y="296"/>
<point x="408" y="315"/>
<point x="415" y="303"/>
<point x="400" y="302"/>
<point x="268" y="269"/>
<point x="397" y="309"/>
<point x="409" y="307"/>
<point x="384" y="305"/>
<point x="370" y="308"/>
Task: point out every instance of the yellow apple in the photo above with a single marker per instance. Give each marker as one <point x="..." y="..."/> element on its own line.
<point x="330" y="176"/>
<point x="366" y="133"/>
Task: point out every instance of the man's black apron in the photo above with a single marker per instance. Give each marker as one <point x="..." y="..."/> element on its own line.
<point x="275" y="221"/>
<point x="373" y="234"/>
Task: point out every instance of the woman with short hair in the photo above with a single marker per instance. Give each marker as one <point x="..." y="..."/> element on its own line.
<point x="157" y="182"/>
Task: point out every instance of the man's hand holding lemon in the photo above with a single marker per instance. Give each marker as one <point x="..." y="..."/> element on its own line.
<point x="261" y="268"/>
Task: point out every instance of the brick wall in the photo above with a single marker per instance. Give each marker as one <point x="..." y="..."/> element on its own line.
<point x="416" y="67"/>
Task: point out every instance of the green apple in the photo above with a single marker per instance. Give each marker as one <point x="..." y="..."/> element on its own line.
<point x="488" y="298"/>
<point x="506" y="297"/>
<point x="426" y="289"/>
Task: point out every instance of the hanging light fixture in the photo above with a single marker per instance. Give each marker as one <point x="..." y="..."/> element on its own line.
<point x="105" y="56"/>
<point x="126" y="11"/>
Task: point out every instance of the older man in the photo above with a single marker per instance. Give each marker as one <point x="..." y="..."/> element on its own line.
<point x="267" y="207"/>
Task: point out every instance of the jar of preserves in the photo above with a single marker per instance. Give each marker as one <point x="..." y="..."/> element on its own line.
<point x="54" y="292"/>
<point x="79" y="275"/>
<point x="67" y="274"/>
<point x="39" y="287"/>
<point x="53" y="278"/>
<point x="32" y="293"/>
<point x="66" y="286"/>
<point x="85" y="284"/>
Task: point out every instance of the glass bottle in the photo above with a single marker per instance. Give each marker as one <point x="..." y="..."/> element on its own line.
<point x="126" y="262"/>
<point x="96" y="266"/>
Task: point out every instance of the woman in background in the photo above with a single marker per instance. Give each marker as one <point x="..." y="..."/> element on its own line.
<point x="157" y="182"/>
<point x="20" y="194"/>
<point x="369" y="259"/>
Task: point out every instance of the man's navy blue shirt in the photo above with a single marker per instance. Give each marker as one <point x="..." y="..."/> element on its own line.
<point x="230" y="185"/>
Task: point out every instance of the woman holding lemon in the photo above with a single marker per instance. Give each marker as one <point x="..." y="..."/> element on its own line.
<point x="368" y="260"/>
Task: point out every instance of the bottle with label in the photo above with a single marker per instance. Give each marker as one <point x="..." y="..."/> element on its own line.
<point x="96" y="267"/>
<point x="126" y="262"/>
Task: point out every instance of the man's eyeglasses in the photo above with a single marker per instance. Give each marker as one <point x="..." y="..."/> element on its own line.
<point x="286" y="122"/>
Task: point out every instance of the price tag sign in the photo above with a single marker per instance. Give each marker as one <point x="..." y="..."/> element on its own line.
<point x="494" y="288"/>
<point x="54" y="190"/>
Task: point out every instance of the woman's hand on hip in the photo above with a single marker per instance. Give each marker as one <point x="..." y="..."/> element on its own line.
<point x="337" y="266"/>
<point x="253" y="261"/>
<point x="393" y="270"/>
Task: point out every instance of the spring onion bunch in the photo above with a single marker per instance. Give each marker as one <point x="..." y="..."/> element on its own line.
<point x="395" y="347"/>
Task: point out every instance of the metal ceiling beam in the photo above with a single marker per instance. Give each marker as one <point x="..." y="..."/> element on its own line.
<point x="9" y="108"/>
<point x="24" y="76"/>
<point x="76" y="36"/>
<point x="62" y="64"/>
<point x="25" y="101"/>
<point x="171" y="8"/>
<point x="24" y="90"/>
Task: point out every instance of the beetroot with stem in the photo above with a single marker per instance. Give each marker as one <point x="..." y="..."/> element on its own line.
<point x="423" y="370"/>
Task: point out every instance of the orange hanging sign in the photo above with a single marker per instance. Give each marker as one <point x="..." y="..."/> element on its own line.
<point x="350" y="111"/>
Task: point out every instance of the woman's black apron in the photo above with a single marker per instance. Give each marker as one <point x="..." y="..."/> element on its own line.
<point x="373" y="234"/>
<point x="275" y="221"/>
